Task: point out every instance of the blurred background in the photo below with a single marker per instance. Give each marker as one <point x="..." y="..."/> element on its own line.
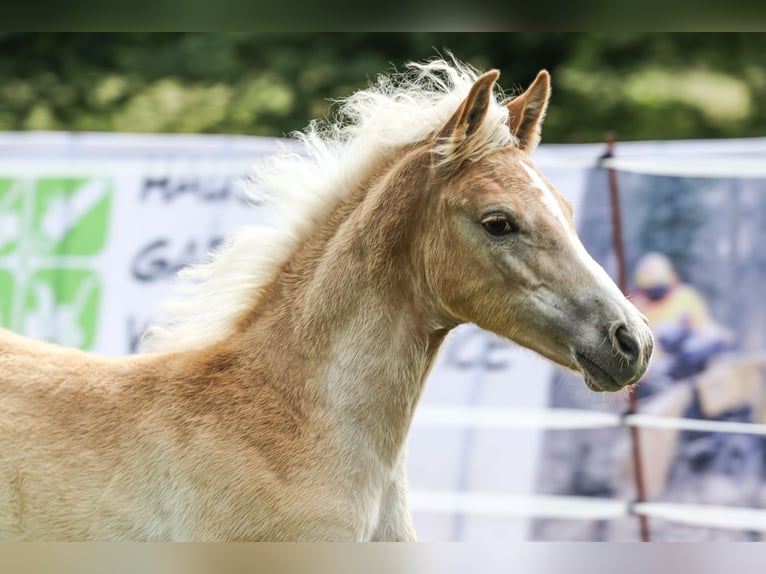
<point x="123" y="158"/>
<point x="644" y="85"/>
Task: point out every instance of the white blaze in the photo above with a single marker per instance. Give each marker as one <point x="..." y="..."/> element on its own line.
<point x="549" y="200"/>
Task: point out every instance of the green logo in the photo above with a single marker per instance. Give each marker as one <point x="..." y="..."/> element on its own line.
<point x="6" y="292"/>
<point x="11" y="214"/>
<point x="50" y="229"/>
<point x="62" y="305"/>
<point x="70" y="216"/>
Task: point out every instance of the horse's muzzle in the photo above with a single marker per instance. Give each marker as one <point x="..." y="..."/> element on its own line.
<point x="619" y="359"/>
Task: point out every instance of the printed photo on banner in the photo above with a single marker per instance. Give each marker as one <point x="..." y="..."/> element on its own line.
<point x="696" y="258"/>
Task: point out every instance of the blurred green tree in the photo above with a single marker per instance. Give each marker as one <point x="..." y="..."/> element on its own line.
<point x="641" y="85"/>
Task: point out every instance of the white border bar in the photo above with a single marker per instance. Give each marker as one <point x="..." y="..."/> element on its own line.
<point x="652" y="421"/>
<point x="509" y="417"/>
<point x="732" y="518"/>
<point x="584" y="508"/>
<point x="535" y="505"/>
<point x="715" y="166"/>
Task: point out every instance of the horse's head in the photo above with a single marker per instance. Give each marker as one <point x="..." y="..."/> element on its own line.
<point x="503" y="251"/>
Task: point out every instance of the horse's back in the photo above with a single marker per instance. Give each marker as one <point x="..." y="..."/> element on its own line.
<point x="36" y="370"/>
<point x="56" y="418"/>
<point x="20" y="352"/>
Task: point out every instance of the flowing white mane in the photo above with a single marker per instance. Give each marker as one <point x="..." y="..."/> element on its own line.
<point x="399" y="109"/>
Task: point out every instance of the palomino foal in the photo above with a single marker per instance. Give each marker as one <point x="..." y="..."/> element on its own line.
<point x="277" y="403"/>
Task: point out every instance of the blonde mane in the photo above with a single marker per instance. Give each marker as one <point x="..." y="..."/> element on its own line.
<point x="301" y="189"/>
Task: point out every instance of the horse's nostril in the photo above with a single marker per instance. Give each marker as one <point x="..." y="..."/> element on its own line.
<point x="626" y="343"/>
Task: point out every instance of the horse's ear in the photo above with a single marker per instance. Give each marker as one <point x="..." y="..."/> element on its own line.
<point x="526" y="112"/>
<point x="471" y="112"/>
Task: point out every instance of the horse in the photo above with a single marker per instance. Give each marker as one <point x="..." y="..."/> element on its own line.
<point x="275" y="400"/>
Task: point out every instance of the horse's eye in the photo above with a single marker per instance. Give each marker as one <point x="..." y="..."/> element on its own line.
<point x="499" y="224"/>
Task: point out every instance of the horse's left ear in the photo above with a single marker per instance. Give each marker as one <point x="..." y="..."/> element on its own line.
<point x="527" y="111"/>
<point x="471" y="112"/>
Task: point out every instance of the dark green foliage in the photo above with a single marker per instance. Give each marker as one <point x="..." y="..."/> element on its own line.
<point x="642" y="85"/>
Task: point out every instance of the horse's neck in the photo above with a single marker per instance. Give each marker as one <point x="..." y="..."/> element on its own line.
<point x="354" y="319"/>
<point x="372" y="375"/>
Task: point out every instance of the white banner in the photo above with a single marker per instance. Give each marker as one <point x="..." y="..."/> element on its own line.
<point x="93" y="228"/>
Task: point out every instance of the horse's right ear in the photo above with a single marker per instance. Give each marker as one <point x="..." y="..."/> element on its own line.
<point x="470" y="114"/>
